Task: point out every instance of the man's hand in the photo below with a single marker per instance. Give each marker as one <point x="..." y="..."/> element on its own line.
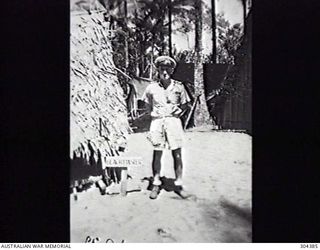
<point x="176" y="111"/>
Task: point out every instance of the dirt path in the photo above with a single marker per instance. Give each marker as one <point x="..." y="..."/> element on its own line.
<point x="217" y="174"/>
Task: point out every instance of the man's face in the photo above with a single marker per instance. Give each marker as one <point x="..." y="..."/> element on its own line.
<point x="165" y="72"/>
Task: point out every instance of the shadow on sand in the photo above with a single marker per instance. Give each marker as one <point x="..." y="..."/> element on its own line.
<point x="231" y="223"/>
<point x="236" y="210"/>
<point x="167" y="185"/>
<point x="240" y="219"/>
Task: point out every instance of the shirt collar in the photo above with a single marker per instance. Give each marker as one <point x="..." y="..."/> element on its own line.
<point x="172" y="82"/>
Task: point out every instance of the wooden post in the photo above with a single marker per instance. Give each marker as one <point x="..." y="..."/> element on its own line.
<point x="191" y="112"/>
<point x="102" y="187"/>
<point x="123" y="184"/>
<point x="118" y="162"/>
<point x="74" y="191"/>
<point x="230" y="112"/>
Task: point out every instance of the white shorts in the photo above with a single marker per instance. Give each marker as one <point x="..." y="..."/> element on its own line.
<point x="166" y="133"/>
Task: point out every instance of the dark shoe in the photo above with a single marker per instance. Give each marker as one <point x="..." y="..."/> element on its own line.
<point x="154" y="192"/>
<point x="182" y="193"/>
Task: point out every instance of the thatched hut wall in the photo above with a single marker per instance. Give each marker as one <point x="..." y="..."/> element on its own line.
<point x="98" y="112"/>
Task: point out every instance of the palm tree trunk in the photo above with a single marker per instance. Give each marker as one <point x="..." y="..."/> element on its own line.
<point x="214" y="41"/>
<point x="188" y="40"/>
<point x="201" y="115"/>
<point x="151" y="62"/>
<point x="125" y="8"/>
<point x="170" y="28"/>
<point x="126" y="50"/>
<point x="141" y="52"/>
<point x="244" y="4"/>
<point x="163" y="44"/>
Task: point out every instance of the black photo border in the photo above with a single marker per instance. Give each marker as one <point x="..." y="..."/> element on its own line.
<point x="35" y="122"/>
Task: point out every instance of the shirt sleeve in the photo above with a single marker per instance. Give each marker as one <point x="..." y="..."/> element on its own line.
<point x="146" y="97"/>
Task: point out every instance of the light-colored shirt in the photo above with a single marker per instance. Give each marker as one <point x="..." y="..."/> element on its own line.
<point x="164" y="102"/>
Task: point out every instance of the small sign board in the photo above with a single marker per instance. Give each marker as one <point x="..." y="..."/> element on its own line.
<point x="122" y="162"/>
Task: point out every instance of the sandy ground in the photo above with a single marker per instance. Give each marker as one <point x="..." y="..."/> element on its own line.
<point x="217" y="173"/>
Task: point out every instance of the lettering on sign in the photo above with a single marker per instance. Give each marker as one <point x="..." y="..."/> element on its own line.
<point x="122" y="162"/>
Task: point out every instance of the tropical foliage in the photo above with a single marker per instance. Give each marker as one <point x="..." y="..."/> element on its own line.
<point x="229" y="40"/>
<point x="142" y="30"/>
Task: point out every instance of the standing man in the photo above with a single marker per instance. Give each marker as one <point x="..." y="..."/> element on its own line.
<point x="166" y="99"/>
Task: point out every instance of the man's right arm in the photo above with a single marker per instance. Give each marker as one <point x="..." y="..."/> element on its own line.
<point x="148" y="108"/>
<point x="146" y="98"/>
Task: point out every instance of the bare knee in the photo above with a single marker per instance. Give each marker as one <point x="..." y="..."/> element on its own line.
<point x="176" y="154"/>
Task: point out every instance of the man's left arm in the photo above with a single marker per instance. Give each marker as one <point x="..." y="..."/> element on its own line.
<point x="185" y="99"/>
<point x="184" y="102"/>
